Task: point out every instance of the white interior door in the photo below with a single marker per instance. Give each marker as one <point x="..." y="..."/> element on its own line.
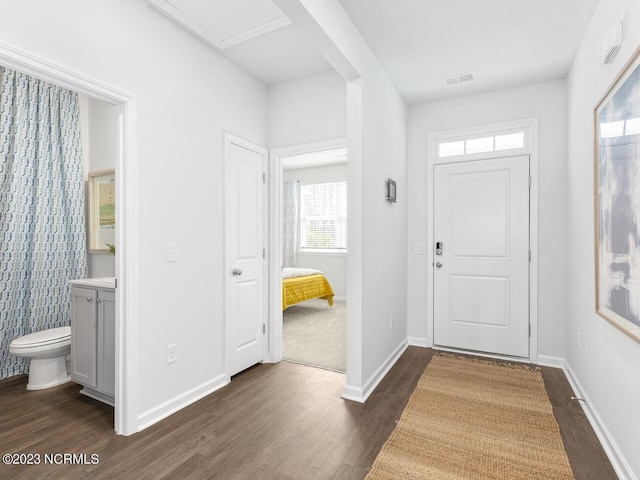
<point x="481" y="262"/>
<point x="246" y="275"/>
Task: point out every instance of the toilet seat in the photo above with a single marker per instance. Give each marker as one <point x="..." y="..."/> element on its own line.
<point x="45" y="339"/>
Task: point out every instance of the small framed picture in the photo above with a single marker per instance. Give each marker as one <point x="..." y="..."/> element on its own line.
<point x="102" y="211"/>
<point x="391" y="191"/>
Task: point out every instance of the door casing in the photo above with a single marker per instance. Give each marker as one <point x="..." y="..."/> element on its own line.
<point x="274" y="328"/>
<point x="233" y="140"/>
<point x="126" y="404"/>
<point x="530" y="127"/>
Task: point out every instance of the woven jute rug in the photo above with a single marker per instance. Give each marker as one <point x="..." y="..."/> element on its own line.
<point x="475" y="419"/>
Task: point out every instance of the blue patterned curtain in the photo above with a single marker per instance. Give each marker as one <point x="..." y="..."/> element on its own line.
<point x="42" y="220"/>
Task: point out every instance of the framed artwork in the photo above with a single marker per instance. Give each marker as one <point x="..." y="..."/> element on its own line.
<point x="617" y="201"/>
<point x="102" y="211"/>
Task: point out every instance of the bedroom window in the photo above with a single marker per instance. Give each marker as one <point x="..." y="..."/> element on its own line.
<point x="323" y="217"/>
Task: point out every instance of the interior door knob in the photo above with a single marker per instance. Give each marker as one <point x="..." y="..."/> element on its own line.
<point x="236" y="272"/>
<point x="438" y="264"/>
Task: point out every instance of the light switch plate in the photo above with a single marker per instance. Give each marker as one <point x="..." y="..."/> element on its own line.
<point x="419" y="248"/>
<point x="172" y="252"/>
<point x="172" y="353"/>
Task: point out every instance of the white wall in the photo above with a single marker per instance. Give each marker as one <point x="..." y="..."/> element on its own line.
<point x="384" y="225"/>
<point x="102" y="155"/>
<point x="187" y="97"/>
<point x="308" y="110"/>
<point x="377" y="145"/>
<point x="103" y="135"/>
<point x="334" y="265"/>
<point x="545" y="101"/>
<point x="608" y="363"/>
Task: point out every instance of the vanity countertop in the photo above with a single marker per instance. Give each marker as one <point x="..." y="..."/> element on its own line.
<point x="102" y="282"/>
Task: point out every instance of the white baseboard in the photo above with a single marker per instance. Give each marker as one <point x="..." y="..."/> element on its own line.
<point x="616" y="457"/>
<point x="349" y="392"/>
<point x="609" y="445"/>
<point x="339" y="299"/>
<point x="419" y="342"/>
<point x="554" y="362"/>
<point x="360" y="395"/>
<point x="159" y="412"/>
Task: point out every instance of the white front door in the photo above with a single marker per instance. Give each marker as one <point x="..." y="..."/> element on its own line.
<point x="245" y="254"/>
<point x="481" y="262"/>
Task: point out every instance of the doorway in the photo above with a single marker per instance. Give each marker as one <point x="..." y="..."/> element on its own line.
<point x="125" y="420"/>
<point x="246" y="263"/>
<point x="481" y="275"/>
<point x="319" y="168"/>
<point x="476" y="161"/>
<point x="314" y="253"/>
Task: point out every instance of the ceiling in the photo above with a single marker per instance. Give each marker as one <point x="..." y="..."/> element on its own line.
<point x="278" y="56"/>
<point x="506" y="43"/>
<point x="253" y="34"/>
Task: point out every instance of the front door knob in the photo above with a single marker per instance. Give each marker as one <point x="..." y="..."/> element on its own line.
<point x="438" y="264"/>
<point x="236" y="272"/>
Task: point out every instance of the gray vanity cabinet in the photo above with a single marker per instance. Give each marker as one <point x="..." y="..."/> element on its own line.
<point x="93" y="317"/>
<point x="106" y="354"/>
<point x="83" y="335"/>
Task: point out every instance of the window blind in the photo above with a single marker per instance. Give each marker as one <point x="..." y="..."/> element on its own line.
<point x="323" y="216"/>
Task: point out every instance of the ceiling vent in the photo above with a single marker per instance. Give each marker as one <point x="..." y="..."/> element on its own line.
<point x="461" y="78"/>
<point x="611" y="43"/>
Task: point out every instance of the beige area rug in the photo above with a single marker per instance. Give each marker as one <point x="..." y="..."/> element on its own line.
<point x="314" y="334"/>
<point x="475" y="419"/>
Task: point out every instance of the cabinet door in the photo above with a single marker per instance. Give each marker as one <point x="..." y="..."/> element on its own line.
<point x="83" y="336"/>
<point x="106" y="341"/>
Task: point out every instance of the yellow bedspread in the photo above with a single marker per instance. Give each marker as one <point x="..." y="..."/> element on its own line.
<point x="299" y="289"/>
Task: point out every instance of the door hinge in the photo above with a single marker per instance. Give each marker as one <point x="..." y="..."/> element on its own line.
<point x="529" y="330"/>
<point x="264" y="253"/>
<point x="264" y="329"/>
<point x="264" y="177"/>
<point x="529" y="180"/>
<point x="529" y="256"/>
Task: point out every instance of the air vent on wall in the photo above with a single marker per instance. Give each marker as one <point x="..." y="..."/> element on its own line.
<point x="461" y="78"/>
<point x="611" y="43"/>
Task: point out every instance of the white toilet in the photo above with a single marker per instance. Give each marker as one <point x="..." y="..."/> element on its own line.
<point x="48" y="350"/>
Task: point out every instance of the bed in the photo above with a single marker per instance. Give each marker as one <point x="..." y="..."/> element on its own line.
<point x="300" y="284"/>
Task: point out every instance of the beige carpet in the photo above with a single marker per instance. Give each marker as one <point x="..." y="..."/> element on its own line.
<point x="474" y="419"/>
<point x="314" y="334"/>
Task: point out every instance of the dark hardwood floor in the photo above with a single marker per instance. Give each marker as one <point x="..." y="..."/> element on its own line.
<point x="282" y="421"/>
